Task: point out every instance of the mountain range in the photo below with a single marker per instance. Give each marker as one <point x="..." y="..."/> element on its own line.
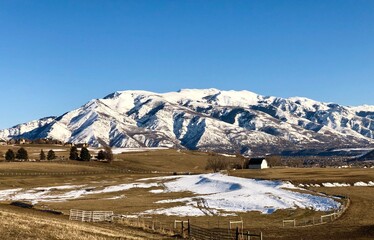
<point x="207" y="120"/>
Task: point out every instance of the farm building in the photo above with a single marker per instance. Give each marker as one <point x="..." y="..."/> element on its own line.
<point x="11" y="142"/>
<point x="257" y="163"/>
<point x="69" y="144"/>
<point x="81" y="145"/>
<point x="78" y="145"/>
<point x="23" y="141"/>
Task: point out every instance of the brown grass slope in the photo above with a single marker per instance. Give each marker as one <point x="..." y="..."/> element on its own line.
<point x="28" y="224"/>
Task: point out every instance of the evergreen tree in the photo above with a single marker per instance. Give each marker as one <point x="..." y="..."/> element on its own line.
<point x="101" y="155"/>
<point x="10" y="155"/>
<point x="85" y="154"/>
<point x="22" y="154"/>
<point x="51" y="155"/>
<point x="42" y="155"/>
<point x="74" y="153"/>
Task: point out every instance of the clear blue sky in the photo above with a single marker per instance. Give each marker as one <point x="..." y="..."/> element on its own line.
<point x="57" y="55"/>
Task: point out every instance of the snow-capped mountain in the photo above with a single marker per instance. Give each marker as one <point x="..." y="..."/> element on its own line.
<point x="206" y="119"/>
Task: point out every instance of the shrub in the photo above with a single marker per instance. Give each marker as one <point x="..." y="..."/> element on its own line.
<point x="101" y="155"/>
<point x="106" y="154"/>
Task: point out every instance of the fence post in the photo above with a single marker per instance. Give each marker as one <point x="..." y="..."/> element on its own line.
<point x="237" y="233"/>
<point x="189" y="229"/>
<point x="261" y="235"/>
<point x="182" y="229"/>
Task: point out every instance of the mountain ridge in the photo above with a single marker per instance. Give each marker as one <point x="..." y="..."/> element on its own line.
<point x="208" y="120"/>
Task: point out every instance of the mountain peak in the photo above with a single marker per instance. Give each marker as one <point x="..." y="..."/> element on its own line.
<point x="206" y="119"/>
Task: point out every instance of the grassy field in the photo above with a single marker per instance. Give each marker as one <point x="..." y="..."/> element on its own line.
<point x="356" y="223"/>
<point x="160" y="160"/>
<point x="16" y="223"/>
<point x="310" y="175"/>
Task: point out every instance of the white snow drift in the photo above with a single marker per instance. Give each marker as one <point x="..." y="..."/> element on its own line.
<point x="56" y="194"/>
<point x="336" y="184"/>
<point x="217" y="193"/>
<point x="211" y="194"/>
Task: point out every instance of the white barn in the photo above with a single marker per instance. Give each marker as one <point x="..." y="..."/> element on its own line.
<point x="257" y="163"/>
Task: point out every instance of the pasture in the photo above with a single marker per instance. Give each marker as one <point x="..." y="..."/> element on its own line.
<point x="356" y="223"/>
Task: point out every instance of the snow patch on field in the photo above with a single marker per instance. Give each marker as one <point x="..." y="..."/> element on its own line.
<point x="56" y="194"/>
<point x="129" y="150"/>
<point x="177" y="211"/>
<point x="363" y="184"/>
<point x="216" y="193"/>
<point x="336" y="184"/>
<point x="125" y="150"/>
<point x="59" y="150"/>
<point x="6" y="193"/>
<point x="211" y="194"/>
<point x="115" y="198"/>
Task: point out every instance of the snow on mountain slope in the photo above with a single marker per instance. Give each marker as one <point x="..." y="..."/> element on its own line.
<point x="207" y="119"/>
<point x="24" y="128"/>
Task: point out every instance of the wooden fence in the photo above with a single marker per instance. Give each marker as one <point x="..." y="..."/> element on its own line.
<point x="90" y="216"/>
<point x="178" y="228"/>
<point x="305" y="222"/>
<point x="199" y="233"/>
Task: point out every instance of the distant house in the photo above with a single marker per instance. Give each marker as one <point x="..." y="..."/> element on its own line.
<point x="23" y="141"/>
<point x="80" y="145"/>
<point x="68" y="144"/>
<point x="257" y="163"/>
<point x="12" y="142"/>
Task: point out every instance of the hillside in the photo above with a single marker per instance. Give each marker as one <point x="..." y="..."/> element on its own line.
<point x="30" y="224"/>
<point x="207" y="119"/>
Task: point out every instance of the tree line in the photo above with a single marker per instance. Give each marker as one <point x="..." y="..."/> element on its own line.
<point x="84" y="155"/>
<point x="23" y="155"/>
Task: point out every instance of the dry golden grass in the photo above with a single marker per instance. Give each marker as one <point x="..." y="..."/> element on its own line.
<point x="164" y="161"/>
<point x="28" y="224"/>
<point x="47" y="167"/>
<point x="310" y="175"/>
<point x="356" y="223"/>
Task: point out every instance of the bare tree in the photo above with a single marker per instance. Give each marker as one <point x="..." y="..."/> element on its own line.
<point x="108" y="154"/>
<point x="274" y="160"/>
<point x="216" y="163"/>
